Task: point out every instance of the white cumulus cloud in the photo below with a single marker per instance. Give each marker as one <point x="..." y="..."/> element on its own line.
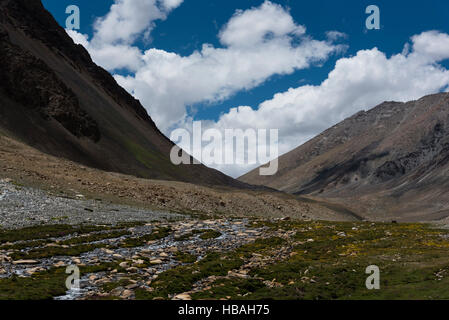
<point x="256" y="44"/>
<point x="356" y="83"/>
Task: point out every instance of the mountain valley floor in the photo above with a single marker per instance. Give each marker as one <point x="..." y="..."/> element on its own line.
<point x="140" y="241"/>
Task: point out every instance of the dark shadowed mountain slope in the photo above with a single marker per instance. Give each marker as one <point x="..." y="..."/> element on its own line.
<point x="54" y="98"/>
<point x="389" y="162"/>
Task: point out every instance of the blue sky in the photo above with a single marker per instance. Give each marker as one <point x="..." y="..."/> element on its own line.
<point x="192" y="23"/>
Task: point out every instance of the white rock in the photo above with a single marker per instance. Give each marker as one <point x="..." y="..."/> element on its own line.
<point x="25" y="262"/>
<point x="183" y="296"/>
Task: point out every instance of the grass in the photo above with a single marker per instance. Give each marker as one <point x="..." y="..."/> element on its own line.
<point x="56" y="231"/>
<point x="322" y="260"/>
<point x="210" y="234"/>
<point x="48" y="252"/>
<point x="182" y="278"/>
<point x="157" y="234"/>
<point x="185" y="257"/>
<point x="44" y="232"/>
<point x="44" y="285"/>
<point x="332" y="266"/>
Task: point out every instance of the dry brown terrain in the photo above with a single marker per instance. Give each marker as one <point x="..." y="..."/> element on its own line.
<point x="30" y="167"/>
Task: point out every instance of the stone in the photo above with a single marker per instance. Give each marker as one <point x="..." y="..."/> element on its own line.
<point x="59" y="264"/>
<point x="123" y="265"/>
<point x="126" y="294"/>
<point x="156" y="261"/>
<point x="132" y="286"/>
<point x="182" y="296"/>
<point x="117" y="292"/>
<point x="25" y="262"/>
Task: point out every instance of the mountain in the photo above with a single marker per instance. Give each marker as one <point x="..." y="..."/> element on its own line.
<point x="54" y="98"/>
<point x="391" y="162"/>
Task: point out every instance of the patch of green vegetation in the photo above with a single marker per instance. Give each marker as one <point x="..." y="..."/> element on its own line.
<point x="210" y="234"/>
<point x="329" y="261"/>
<point x="44" y="232"/>
<point x="107" y="287"/>
<point x="181" y="278"/>
<point x="230" y="288"/>
<point x="153" y="160"/>
<point x="130" y="224"/>
<point x="24" y="245"/>
<point x="185" y="257"/>
<point x="45" y="285"/>
<point x="157" y="234"/>
<point x="48" y="252"/>
<point x="18" y="185"/>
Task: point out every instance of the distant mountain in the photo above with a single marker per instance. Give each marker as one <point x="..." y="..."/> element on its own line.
<point x="54" y="98"/>
<point x="391" y="162"/>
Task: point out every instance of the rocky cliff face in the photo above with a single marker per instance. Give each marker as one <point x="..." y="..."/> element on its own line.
<point x="30" y="82"/>
<point x="54" y="98"/>
<point x="391" y="161"/>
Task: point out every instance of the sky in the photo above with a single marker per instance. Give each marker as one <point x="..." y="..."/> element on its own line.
<point x="296" y="66"/>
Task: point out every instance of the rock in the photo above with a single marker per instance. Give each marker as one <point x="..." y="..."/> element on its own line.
<point x="59" y="264"/>
<point x="76" y="260"/>
<point x="156" y="261"/>
<point x="123" y="265"/>
<point x="107" y="251"/>
<point x="25" y="262"/>
<point x="2" y="271"/>
<point x="93" y="277"/>
<point x="164" y="255"/>
<point x="237" y="275"/>
<point x="182" y="296"/>
<point x="132" y="286"/>
<point x="126" y="294"/>
<point x="118" y="256"/>
<point x="139" y="261"/>
<point x="117" y="292"/>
